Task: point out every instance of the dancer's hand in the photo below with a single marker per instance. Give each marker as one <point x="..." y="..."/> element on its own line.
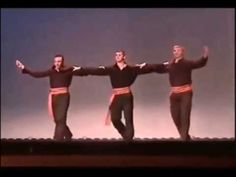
<point x="103" y="67"/>
<point x="141" y="65"/>
<point x="76" y="68"/>
<point x="19" y="64"/>
<point x="166" y="63"/>
<point x="205" y="51"/>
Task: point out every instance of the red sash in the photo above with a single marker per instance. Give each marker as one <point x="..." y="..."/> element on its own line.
<point x="55" y="91"/>
<point x="182" y="89"/>
<point x="116" y="91"/>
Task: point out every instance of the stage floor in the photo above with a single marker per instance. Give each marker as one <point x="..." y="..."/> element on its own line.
<point x="198" y="153"/>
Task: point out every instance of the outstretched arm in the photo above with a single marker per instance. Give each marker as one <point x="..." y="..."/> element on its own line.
<point x="202" y="61"/>
<point x="145" y="68"/>
<point x="100" y="71"/>
<point x="32" y="73"/>
<point x="79" y="71"/>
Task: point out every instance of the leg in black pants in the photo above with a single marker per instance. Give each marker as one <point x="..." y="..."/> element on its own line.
<point x="60" y="105"/>
<point x="123" y="102"/>
<point x="185" y="107"/>
<point x="128" y="114"/>
<point x="180" y="107"/>
<point x="175" y="110"/>
<point x="116" y="110"/>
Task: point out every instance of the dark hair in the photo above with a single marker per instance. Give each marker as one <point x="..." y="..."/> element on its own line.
<point x="63" y="60"/>
<point x="122" y="51"/>
<point x="59" y="55"/>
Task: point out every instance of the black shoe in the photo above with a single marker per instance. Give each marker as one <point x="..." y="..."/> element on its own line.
<point x="57" y="139"/>
<point x="187" y="138"/>
<point x="68" y="137"/>
<point x="127" y="137"/>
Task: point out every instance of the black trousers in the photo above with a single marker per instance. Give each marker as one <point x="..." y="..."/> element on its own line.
<point x="60" y="105"/>
<point x="123" y="103"/>
<point x="180" y="108"/>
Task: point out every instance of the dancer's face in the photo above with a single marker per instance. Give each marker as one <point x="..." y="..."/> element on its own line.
<point x="58" y="62"/>
<point x="120" y="57"/>
<point x="178" y="52"/>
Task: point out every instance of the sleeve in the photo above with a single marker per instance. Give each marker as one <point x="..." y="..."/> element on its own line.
<point x="144" y="70"/>
<point x="158" y="68"/>
<point x="199" y="63"/>
<point x="36" y="74"/>
<point x="80" y="72"/>
<point x="97" y="71"/>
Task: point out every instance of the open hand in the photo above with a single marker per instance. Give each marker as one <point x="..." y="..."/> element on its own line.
<point x="141" y="65"/>
<point x="76" y="68"/>
<point x="103" y="67"/>
<point x="205" y="51"/>
<point x="19" y="64"/>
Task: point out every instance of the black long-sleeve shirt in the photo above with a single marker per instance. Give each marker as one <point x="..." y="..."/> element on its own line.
<point x="119" y="78"/>
<point x="62" y="78"/>
<point x="180" y="72"/>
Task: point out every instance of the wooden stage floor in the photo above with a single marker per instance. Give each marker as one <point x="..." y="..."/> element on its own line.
<point x="162" y="153"/>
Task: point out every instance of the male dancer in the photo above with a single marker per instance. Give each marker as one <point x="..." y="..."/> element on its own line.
<point x="180" y="70"/>
<point x="122" y="76"/>
<point x="60" y="78"/>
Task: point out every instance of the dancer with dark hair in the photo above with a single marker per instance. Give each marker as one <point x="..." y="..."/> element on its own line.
<point x="122" y="76"/>
<point x="60" y="77"/>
